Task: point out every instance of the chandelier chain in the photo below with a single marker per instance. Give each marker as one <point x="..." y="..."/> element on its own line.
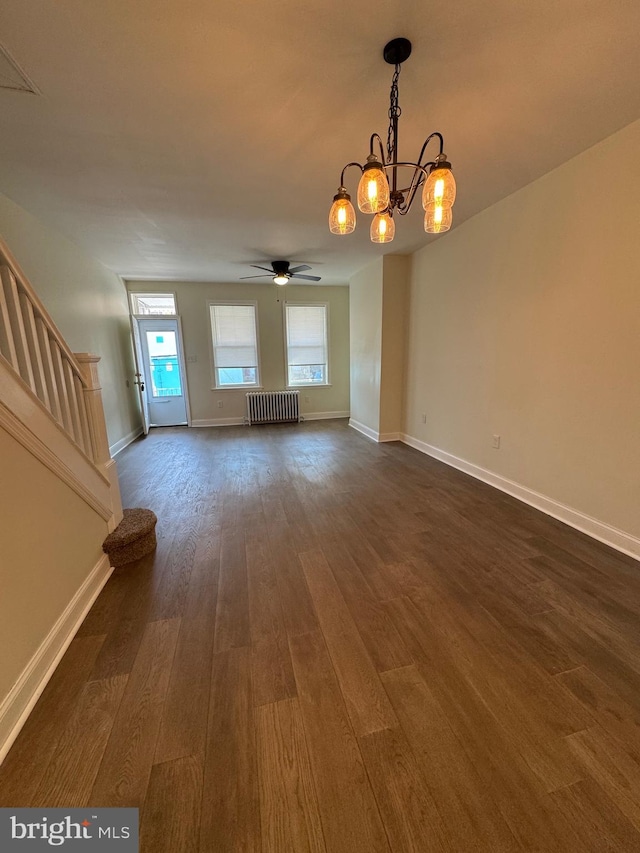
<point x="394" y="114"/>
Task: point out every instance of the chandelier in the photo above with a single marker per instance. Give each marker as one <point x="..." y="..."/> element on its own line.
<point x="379" y="192"/>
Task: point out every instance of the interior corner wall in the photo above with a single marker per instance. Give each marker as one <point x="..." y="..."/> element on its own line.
<point x="86" y="301"/>
<point x="394" y="327"/>
<point x="365" y="337"/>
<point x="525" y="323"/>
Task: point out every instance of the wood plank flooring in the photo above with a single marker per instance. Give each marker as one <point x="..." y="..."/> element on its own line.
<point x="344" y="647"/>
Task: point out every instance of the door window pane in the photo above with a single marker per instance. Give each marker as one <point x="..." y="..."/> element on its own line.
<point x="163" y="364"/>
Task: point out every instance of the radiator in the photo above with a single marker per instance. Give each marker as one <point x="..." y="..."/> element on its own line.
<point x="272" y="407"/>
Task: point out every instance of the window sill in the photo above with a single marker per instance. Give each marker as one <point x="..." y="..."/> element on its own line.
<point x="308" y="385"/>
<point x="237" y="387"/>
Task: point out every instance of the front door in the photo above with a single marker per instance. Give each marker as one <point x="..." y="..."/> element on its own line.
<point x="161" y="355"/>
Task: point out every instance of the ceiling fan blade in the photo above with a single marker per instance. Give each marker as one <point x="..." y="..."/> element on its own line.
<point x="301" y="268"/>
<point x="243" y="277"/>
<point x="266" y="269"/>
<point x="307" y="277"/>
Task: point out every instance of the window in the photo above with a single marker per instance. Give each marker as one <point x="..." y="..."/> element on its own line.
<point x="153" y="303"/>
<point x="306" y="337"/>
<point x="163" y="359"/>
<point x="235" y="346"/>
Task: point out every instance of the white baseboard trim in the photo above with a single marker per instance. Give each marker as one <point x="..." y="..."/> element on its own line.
<point x="324" y="416"/>
<point x="125" y="442"/>
<point x="364" y="429"/>
<point x="19" y="702"/>
<point x="600" y="530"/>
<point x="216" y="422"/>
<point x="380" y="437"/>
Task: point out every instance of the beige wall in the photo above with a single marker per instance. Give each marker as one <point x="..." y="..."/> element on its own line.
<point x="394" y="328"/>
<point x="50" y="541"/>
<point x="525" y="322"/>
<point x="86" y="301"/>
<point x="378" y="317"/>
<point x="193" y="299"/>
<point x="365" y="319"/>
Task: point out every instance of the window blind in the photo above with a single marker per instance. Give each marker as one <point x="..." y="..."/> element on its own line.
<point x="307" y="334"/>
<point x="234" y="335"/>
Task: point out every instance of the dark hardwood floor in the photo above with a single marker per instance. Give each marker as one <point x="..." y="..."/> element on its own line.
<point x="345" y="647"/>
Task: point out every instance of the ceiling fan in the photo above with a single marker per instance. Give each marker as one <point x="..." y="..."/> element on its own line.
<point x="281" y="272"/>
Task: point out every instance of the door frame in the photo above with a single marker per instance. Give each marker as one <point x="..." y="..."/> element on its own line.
<point x="140" y="379"/>
<point x="182" y="361"/>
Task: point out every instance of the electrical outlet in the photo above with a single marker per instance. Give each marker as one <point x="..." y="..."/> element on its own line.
<point x="220" y="404"/>
<point x="424" y="418"/>
<point x="496" y="442"/>
<point x="192" y="359"/>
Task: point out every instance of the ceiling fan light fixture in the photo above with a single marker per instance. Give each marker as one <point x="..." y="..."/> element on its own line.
<point x="342" y="216"/>
<point x="383" y="228"/>
<point x="281" y="272"/>
<point x="373" y="189"/>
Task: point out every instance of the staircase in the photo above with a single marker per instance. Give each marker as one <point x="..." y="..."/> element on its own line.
<point x="52" y="566"/>
<point x="50" y="398"/>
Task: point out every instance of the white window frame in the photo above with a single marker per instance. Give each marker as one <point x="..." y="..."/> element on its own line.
<point x="327" y="377"/>
<point x="214" y="375"/>
<point x="132" y="293"/>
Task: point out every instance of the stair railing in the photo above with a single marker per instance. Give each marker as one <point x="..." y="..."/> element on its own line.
<point x="65" y="384"/>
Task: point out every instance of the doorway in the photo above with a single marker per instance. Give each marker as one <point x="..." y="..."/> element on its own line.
<point x="161" y="374"/>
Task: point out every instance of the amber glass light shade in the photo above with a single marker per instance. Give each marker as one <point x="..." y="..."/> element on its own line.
<point x="373" y="189"/>
<point x="439" y="189"/>
<point x="437" y="219"/>
<point x="383" y="228"/>
<point x="342" y="216"/>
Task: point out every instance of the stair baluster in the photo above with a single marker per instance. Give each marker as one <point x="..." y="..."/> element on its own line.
<point x="33" y="345"/>
<point x="16" y="324"/>
<point x="48" y="371"/>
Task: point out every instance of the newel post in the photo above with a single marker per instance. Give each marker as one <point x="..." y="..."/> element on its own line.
<point x="95" y="410"/>
<point x="88" y="363"/>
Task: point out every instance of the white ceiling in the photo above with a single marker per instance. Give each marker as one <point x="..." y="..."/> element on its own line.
<point x="187" y="139"/>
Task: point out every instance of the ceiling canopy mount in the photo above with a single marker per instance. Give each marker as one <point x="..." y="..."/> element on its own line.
<point x="397" y="51"/>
